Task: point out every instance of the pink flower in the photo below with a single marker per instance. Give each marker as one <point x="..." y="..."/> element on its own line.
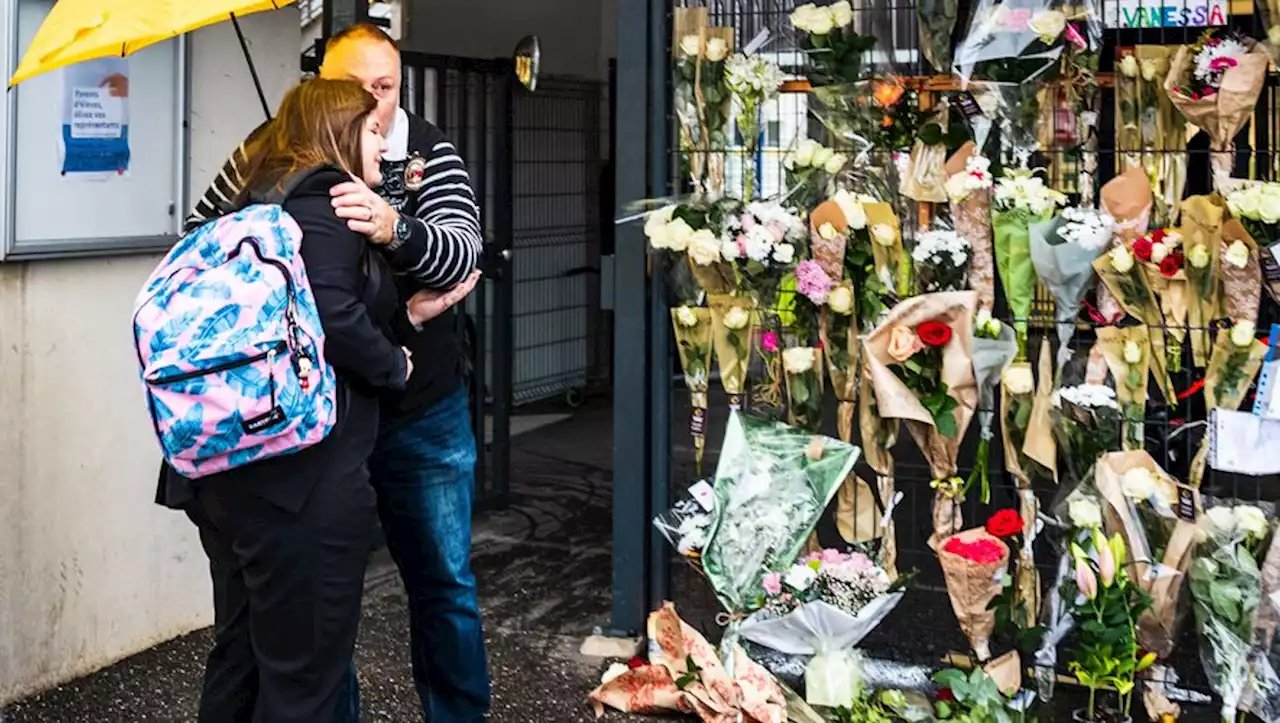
<point x="777" y="230"/>
<point x="1208" y="91"/>
<point x="1106" y="565"/>
<point x="748" y="222"/>
<point x="1085" y="580"/>
<point x="1075" y="38"/>
<point x="773" y="583"/>
<point x="1222" y="62"/>
<point x="741" y="242"/>
<point x="813" y="282"/>
<point x="903" y="343"/>
<point x="1018" y="20"/>
<point x="769" y="342"/>
<point x="832" y="557"/>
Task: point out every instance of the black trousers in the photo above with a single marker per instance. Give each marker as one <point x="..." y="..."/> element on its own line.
<point x="287" y="587"/>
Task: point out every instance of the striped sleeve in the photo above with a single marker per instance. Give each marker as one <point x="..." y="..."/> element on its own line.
<point x="445" y="243"/>
<point x="220" y="199"/>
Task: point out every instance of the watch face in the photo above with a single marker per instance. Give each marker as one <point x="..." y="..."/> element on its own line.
<point x="402" y="229"/>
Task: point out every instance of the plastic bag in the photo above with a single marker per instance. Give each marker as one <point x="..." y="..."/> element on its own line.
<point x="832" y="679"/>
<point x="688" y="523"/>
<point x="1064" y="263"/>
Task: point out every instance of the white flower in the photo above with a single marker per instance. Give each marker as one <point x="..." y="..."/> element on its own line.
<point x="1129" y="66"/>
<point x="805" y="152"/>
<point x="759" y="244"/>
<point x="884" y="234"/>
<point x="1199" y="257"/>
<point x="821" y="156"/>
<point x="691" y="45"/>
<point x="717" y="50"/>
<point x="1084" y="512"/>
<point x="835" y="164"/>
<point x="687" y="316"/>
<point x="1138" y="484"/>
<point x="1121" y="260"/>
<point x="1132" y="353"/>
<point x="679" y="235"/>
<point x="1221" y="520"/>
<point x="800" y="577"/>
<point x="1251" y="521"/>
<point x="798" y="360"/>
<point x="1048" y="24"/>
<point x="822" y="22"/>
<point x="842" y="14"/>
<point x="1087" y="396"/>
<point x="1148" y="69"/>
<point x="1026" y="191"/>
<point x="1237" y="254"/>
<point x="736" y="318"/>
<point x="656" y="227"/>
<point x="827" y="232"/>
<point x="1159" y="252"/>
<point x="802" y="17"/>
<point x="841" y="300"/>
<point x="704" y="248"/>
<point x="1245" y="202"/>
<point x="1172" y="239"/>
<point x="1242" y="334"/>
<point x="784" y="253"/>
<point x="1088" y="228"/>
<point x="729" y="250"/>
<point x="854" y="213"/>
<point x="1019" y="381"/>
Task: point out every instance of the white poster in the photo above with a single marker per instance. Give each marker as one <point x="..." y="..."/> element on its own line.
<point x="95" y="118"/>
<point x="1165" y="13"/>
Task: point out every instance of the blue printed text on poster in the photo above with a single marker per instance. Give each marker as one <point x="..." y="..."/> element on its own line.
<point x="95" y="118"/>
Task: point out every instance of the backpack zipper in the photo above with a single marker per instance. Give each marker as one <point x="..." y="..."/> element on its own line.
<point x="225" y="366"/>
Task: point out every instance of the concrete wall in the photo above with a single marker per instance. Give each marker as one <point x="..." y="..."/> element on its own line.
<point x="90" y="570"/>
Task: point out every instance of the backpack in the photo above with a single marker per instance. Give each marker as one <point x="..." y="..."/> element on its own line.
<point x="230" y="346"/>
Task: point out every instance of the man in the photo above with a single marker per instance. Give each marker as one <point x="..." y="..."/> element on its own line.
<point x="425" y="221"/>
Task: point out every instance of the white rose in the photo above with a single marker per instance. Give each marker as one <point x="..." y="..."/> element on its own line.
<point x="804" y="154"/>
<point x="736" y="318"/>
<point x="1048" y="24"/>
<point x="1221" y="519"/>
<point x="1199" y="256"/>
<point x="1132" y="353"/>
<point x="687" y="316"/>
<point x="1172" y="239"/>
<point x="802" y="17"/>
<point x="842" y="14"/>
<point x="983" y="319"/>
<point x="841" y="300"/>
<point x="1269" y="211"/>
<point x="717" y="50"/>
<point x="679" y="234"/>
<point x="1148" y="69"/>
<point x="1084" y="512"/>
<point x="1242" y="334"/>
<point x="691" y="45"/>
<point x="1138" y="484"/>
<point x="1129" y="66"/>
<point x="1238" y="254"/>
<point x="827" y="232"/>
<point x="1159" y="252"/>
<point x="822" y="22"/>
<point x="1121" y="260"/>
<point x="958" y="187"/>
<point x="884" y="234"/>
<point x="855" y="214"/>
<point x="1018" y="380"/>
<point x="704" y="248"/>
<point x="798" y="360"/>
<point x="800" y="577"/>
<point x="821" y="156"/>
<point x="835" y="164"/>
<point x="1251" y="521"/>
<point x="1244" y="204"/>
<point x="784" y="253"/>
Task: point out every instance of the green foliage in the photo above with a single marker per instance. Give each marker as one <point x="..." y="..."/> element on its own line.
<point x="922" y="374"/>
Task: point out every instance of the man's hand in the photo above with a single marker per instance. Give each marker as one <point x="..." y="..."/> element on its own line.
<point x="408" y="363"/>
<point x="427" y="305"/>
<point x="365" y="211"/>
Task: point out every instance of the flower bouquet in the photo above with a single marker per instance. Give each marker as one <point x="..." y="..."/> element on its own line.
<point x="1257" y="206"/>
<point x="1126" y="198"/>
<point x="1127" y="282"/>
<point x="973" y="563"/>
<point x="892" y="263"/>
<point x="1156" y="518"/>
<point x="835" y="50"/>
<point x="1063" y="251"/>
<point x="869" y="281"/>
<point x="1087" y="424"/>
<point x="803" y="366"/>
<point x="693" y="331"/>
<point x="1128" y="354"/>
<point x="1021" y="200"/>
<point x="1236" y="360"/>
<point x="702" y="98"/>
<point x="823" y="606"/>
<point x="969" y="186"/>
<point x="753" y="81"/>
<point x="732" y="322"/>
<point x="1241" y="273"/>
<point x="1161" y="256"/>
<point x="810" y="170"/>
<point x="687" y="237"/>
<point x="772" y="484"/>
<point x="879" y="435"/>
<point x="993" y="350"/>
<point x="920" y="362"/>
<point x="1226" y="587"/>
<point x="941" y="261"/>
<point x="1215" y="84"/>
<point x="1018" y="603"/>
<point x="1154" y="135"/>
<point x="685" y="675"/>
<point x="1202" y="219"/>
<point x="688" y="523"/>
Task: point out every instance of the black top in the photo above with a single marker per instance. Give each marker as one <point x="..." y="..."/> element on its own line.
<point x="432" y="190"/>
<point x="359" y="312"/>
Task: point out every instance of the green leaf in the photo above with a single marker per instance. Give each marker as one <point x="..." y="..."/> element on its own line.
<point x="931" y="134"/>
<point x="1226" y="599"/>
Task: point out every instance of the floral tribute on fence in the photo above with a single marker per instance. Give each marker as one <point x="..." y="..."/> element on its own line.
<point x="935" y="258"/>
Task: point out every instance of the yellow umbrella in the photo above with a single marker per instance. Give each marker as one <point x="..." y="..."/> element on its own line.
<point x="79" y="30"/>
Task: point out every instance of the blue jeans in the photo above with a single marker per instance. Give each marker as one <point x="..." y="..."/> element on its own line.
<point x="424" y="474"/>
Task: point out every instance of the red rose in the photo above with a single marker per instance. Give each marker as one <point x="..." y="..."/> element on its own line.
<point x="637" y="662"/>
<point x="934" y="333"/>
<point x="946" y="696"/>
<point x="1142" y="249"/>
<point x="1158" y="236"/>
<point x="1171" y="265"/>
<point x="1005" y="523"/>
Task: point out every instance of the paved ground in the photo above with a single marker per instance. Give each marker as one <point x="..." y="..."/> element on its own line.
<point x="544" y="571"/>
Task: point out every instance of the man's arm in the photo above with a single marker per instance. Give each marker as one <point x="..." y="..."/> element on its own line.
<point x="219" y="200"/>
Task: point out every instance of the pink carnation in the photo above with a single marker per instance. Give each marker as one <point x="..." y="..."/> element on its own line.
<point x="769" y="342"/>
<point x="1222" y="63"/>
<point x="773" y="583"/>
<point x="813" y="282"/>
<point x="1075" y="38"/>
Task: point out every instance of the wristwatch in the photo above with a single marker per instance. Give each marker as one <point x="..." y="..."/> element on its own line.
<point x="400" y="235"/>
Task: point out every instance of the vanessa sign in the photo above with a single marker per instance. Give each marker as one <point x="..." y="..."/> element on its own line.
<point x="1164" y="13"/>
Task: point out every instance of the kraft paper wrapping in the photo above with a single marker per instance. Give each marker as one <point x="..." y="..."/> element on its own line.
<point x="714" y="279"/>
<point x="732" y="346"/>
<point x="893" y="266"/>
<point x="1162" y="579"/>
<point x="1172" y="296"/>
<point x="1226" y="393"/>
<point x="926" y="177"/>
<point x="1224" y="113"/>
<point x="1131" y="379"/>
<point x="1167" y="166"/>
<point x="895" y="401"/>
<point x="1202" y="218"/>
<point x="879" y="435"/>
<point x="689" y="21"/>
<point x="1012" y="450"/>
<point x="829" y="253"/>
<point x="972" y="218"/>
<point x="971" y="587"/>
<point x="1040" y="445"/>
<point x="1006" y="671"/>
<point x="1127" y="198"/>
<point x="1241" y="287"/>
<point x="693" y="344"/>
<point x="857" y="516"/>
<point x="1027" y="576"/>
